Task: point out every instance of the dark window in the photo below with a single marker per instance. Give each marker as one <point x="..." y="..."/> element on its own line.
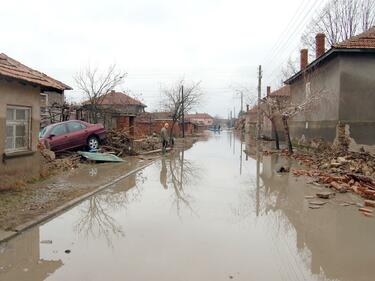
<point x="59" y="130"/>
<point x="75" y="126"/>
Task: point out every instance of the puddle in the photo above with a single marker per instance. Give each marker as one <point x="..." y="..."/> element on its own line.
<point x="202" y="214"/>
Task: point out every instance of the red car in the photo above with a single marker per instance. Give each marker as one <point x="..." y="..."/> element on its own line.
<point x="72" y="134"/>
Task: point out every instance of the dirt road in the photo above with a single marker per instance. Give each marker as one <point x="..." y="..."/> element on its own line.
<point x="209" y="213"/>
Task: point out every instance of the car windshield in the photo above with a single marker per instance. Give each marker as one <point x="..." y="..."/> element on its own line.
<point x="42" y="132"/>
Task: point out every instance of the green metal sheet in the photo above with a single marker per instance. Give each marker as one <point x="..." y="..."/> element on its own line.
<point x="100" y="157"/>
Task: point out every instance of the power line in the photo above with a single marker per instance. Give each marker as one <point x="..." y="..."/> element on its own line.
<point x="285" y="31"/>
<point x="296" y="29"/>
<point x="306" y="17"/>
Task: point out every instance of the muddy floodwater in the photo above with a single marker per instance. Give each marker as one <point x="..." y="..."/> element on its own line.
<point x="208" y="213"/>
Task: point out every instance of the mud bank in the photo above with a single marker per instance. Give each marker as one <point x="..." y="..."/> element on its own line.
<point x="24" y="205"/>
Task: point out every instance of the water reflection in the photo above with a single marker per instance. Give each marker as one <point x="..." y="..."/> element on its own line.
<point x="95" y="218"/>
<point x="334" y="242"/>
<point x="20" y="259"/>
<point x="179" y="173"/>
<point x="271" y="234"/>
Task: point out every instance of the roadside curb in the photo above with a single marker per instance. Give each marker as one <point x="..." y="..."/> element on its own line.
<point x="7" y="235"/>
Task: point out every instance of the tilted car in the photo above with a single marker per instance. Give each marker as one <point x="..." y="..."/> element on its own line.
<point x="72" y="134"/>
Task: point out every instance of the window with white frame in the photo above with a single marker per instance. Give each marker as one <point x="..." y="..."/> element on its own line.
<point x="18" y="133"/>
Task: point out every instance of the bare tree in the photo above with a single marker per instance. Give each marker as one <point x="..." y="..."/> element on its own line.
<point x="270" y="108"/>
<point x="288" y="70"/>
<point x="173" y="102"/>
<point x="311" y="99"/>
<point x="94" y="84"/>
<point x="339" y="20"/>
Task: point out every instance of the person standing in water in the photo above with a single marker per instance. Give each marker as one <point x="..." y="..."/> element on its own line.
<point x="164" y="137"/>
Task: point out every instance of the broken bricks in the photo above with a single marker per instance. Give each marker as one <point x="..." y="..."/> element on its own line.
<point x="340" y="187"/>
<point x="325" y="195"/>
<point x="370" y="203"/>
<point x="318" y="203"/>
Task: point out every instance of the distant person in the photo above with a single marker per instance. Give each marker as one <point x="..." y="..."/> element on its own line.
<point x="164" y="137"/>
<point x="219" y="128"/>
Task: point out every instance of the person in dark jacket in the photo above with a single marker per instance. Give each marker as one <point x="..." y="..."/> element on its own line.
<point x="164" y="137"/>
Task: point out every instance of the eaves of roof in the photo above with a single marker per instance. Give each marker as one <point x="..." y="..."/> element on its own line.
<point x="324" y="58"/>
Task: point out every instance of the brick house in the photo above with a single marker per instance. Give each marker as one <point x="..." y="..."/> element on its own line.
<point x="20" y="89"/>
<point x="346" y="73"/>
<point x="149" y="123"/>
<point x="116" y="110"/>
<point x="202" y="120"/>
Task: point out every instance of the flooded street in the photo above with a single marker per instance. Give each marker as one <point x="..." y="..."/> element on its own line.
<point x="201" y="214"/>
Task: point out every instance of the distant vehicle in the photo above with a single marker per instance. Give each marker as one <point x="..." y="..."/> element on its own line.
<point x="72" y="134"/>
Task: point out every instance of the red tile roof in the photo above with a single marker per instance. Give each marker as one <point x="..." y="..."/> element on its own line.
<point x="282" y="92"/>
<point x="199" y="116"/>
<point x="13" y="69"/>
<point x="118" y="98"/>
<point x="365" y="40"/>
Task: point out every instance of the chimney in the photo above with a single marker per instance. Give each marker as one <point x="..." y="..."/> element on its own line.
<point x="268" y="90"/>
<point x="320" y="41"/>
<point x="304" y="58"/>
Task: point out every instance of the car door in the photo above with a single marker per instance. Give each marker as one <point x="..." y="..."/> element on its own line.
<point x="77" y="133"/>
<point x="58" y="139"/>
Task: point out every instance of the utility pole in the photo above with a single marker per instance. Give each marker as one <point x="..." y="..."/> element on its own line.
<point x="259" y="97"/>
<point x="183" y="111"/>
<point x="241" y="102"/>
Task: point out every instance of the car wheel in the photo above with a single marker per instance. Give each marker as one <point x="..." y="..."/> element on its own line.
<point x="93" y="143"/>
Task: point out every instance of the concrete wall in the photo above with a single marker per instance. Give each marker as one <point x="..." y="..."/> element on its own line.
<point x="14" y="93"/>
<point x="320" y="121"/>
<point x="357" y="97"/>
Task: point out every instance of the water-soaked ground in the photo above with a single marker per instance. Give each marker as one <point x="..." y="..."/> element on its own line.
<point x="202" y="214"/>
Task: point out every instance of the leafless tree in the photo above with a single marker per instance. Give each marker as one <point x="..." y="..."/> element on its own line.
<point x="173" y="102"/>
<point x="270" y="107"/>
<point x="94" y="84"/>
<point x="182" y="173"/>
<point x="309" y="103"/>
<point x="339" y="20"/>
<point x="288" y="70"/>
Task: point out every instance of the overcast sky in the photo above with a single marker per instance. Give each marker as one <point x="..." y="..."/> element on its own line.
<point x="218" y="42"/>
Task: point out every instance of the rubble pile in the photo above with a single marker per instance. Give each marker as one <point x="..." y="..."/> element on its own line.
<point x="118" y="142"/>
<point x="338" y="169"/>
<point x="359" y="184"/>
<point x="339" y="162"/>
<point x="148" y="144"/>
<point x="51" y="164"/>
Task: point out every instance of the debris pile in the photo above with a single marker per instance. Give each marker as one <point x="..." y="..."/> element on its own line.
<point x="359" y="184"/>
<point x="340" y="170"/>
<point x="118" y="142"/>
<point x="148" y="144"/>
<point x="336" y="161"/>
<point x="50" y="163"/>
